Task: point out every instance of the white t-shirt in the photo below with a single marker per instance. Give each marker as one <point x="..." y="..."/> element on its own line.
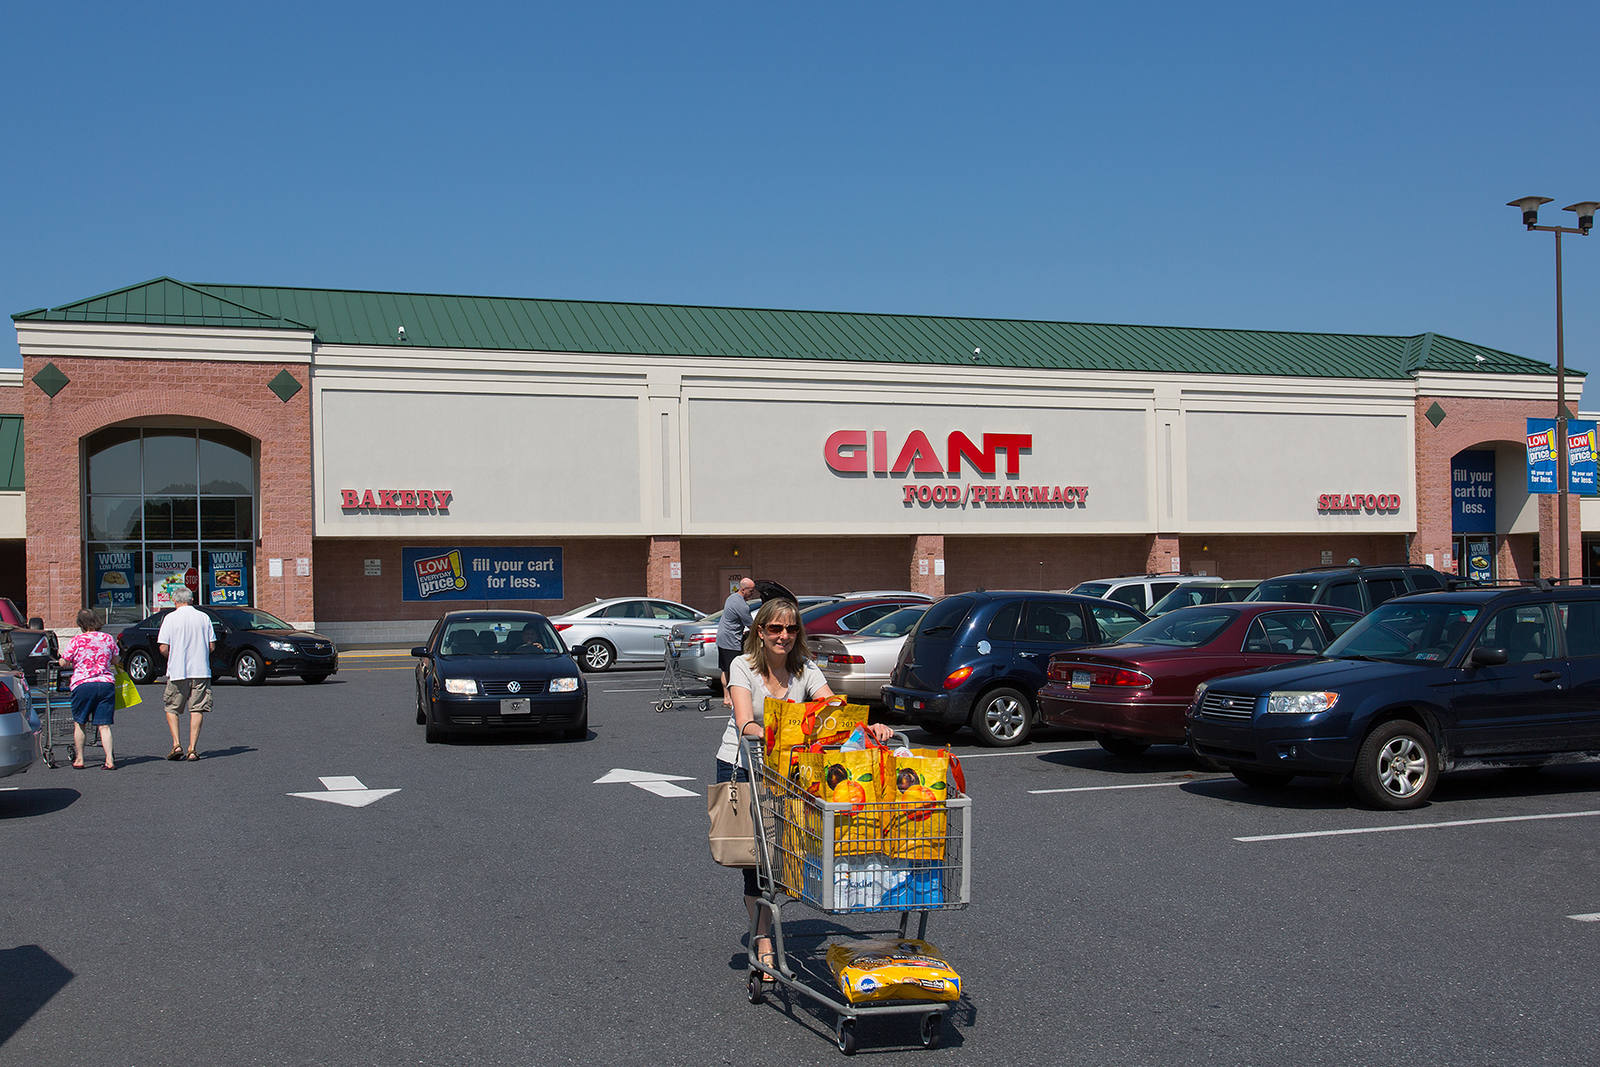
<point x="187" y="633"/>
<point x="802" y="687"/>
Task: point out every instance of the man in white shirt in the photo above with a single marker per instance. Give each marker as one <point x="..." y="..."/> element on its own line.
<point x="186" y="639"/>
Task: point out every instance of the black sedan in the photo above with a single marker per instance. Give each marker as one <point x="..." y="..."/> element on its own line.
<point x="252" y="645"/>
<point x="498" y="670"/>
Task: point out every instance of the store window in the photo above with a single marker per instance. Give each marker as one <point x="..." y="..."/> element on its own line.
<point x="163" y="508"/>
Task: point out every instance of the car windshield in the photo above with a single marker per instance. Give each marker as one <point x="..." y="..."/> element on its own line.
<point x="1293" y="590"/>
<point x="897" y="623"/>
<point x="1405" y="632"/>
<point x="500" y="637"/>
<point x="1184" y="628"/>
<point x="1186" y="596"/>
<point x="1091" y="588"/>
<point x="250" y="619"/>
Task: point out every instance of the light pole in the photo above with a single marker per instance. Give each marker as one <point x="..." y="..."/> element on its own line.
<point x="1585" y="209"/>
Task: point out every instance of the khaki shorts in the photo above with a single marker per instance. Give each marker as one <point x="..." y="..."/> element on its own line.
<point x="194" y="692"/>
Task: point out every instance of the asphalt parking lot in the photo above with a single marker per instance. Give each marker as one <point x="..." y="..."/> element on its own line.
<point x="503" y="905"/>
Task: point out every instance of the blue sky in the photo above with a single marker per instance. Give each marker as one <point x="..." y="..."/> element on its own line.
<point x="1337" y="168"/>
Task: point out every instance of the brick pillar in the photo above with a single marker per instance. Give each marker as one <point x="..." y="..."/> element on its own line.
<point x="1549" y="539"/>
<point x="1163" y="550"/>
<point x="665" y="553"/>
<point x="926" y="549"/>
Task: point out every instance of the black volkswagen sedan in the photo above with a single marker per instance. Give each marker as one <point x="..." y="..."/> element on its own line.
<point x="252" y="646"/>
<point x="498" y="670"/>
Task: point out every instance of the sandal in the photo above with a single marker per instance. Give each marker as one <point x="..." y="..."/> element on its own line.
<point x="77" y="766"/>
<point x="192" y="756"/>
<point x="767" y="959"/>
<point x="176" y="753"/>
<point x="108" y="766"/>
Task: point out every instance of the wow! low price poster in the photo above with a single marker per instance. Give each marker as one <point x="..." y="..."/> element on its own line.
<point x="227" y="579"/>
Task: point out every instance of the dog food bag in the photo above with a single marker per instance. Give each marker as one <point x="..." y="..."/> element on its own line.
<point x="880" y="969"/>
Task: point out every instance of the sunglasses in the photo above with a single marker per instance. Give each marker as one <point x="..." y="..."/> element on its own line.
<point x="777" y="629"/>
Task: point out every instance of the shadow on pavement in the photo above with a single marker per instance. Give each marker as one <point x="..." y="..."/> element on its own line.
<point x="29" y="977"/>
<point x="25" y="802"/>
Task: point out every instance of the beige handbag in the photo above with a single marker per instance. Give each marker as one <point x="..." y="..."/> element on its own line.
<point x="733" y="830"/>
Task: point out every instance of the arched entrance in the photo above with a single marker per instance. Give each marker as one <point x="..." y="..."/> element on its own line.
<point x="165" y="504"/>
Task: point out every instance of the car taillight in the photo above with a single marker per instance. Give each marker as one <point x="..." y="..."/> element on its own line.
<point x="1107" y="677"/>
<point x="845" y="658"/>
<point x="562" y="626"/>
<point x="8" y="701"/>
<point x="704" y="639"/>
<point x="957" y="677"/>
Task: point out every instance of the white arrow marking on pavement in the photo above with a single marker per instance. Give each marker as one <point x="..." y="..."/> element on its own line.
<point x="649" y="781"/>
<point x="347" y="790"/>
<point x="1593" y="917"/>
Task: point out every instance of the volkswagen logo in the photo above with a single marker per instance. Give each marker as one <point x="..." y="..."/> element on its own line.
<point x="513" y="687"/>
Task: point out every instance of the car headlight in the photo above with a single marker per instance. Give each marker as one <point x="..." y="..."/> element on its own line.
<point x="280" y="646"/>
<point x="563" y="685"/>
<point x="1297" y="703"/>
<point x="463" y="686"/>
<point x="1200" y="690"/>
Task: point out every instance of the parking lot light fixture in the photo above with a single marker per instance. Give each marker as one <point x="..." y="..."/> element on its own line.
<point x="1529" y="206"/>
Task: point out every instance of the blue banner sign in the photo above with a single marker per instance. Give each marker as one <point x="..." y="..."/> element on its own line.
<point x="1472" y="493"/>
<point x="227" y="578"/>
<point x="480" y="574"/>
<point x="113" y="579"/>
<point x="1541" y="455"/>
<point x="1480" y="559"/>
<point x="1543" y="461"/>
<point x="1581" y="466"/>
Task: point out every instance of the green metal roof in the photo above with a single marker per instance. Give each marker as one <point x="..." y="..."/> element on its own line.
<point x="353" y="317"/>
<point x="10" y="453"/>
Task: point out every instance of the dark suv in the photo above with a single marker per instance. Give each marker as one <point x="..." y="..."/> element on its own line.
<point x="979" y="658"/>
<point x="1361" y="588"/>
<point x="1421" y="685"/>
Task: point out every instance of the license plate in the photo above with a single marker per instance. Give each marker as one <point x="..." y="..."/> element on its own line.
<point x="515" y="707"/>
<point x="1080" y="679"/>
<point x="895" y="702"/>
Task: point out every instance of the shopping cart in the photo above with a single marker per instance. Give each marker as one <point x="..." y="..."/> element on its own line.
<point x="813" y="851"/>
<point x="51" y="698"/>
<point x="675" y="682"/>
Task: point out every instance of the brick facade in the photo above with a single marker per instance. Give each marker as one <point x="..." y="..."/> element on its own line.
<point x="1484" y="423"/>
<point x="106" y="391"/>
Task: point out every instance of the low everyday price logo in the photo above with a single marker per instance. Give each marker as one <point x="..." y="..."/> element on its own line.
<point x="438" y="574"/>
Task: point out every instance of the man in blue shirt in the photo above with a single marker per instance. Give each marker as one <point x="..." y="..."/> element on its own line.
<point x="736" y="620"/>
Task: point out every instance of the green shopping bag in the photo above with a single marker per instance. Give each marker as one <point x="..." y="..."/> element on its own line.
<point x="127" y="692"/>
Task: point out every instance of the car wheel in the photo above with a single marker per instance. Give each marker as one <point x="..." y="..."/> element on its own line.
<point x="1122" y="746"/>
<point x="314" y="679"/>
<point x="248" y="668"/>
<point x="596" y="655"/>
<point x="141" y="667"/>
<point x="1002" y="718"/>
<point x="1397" y="767"/>
<point x="1260" y="779"/>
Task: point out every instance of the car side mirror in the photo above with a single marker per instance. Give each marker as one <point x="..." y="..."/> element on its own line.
<point x="35" y="623"/>
<point x="420" y="650"/>
<point x="1487" y="657"/>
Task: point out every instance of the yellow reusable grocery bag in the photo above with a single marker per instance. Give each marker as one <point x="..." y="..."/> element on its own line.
<point x="790" y="724"/>
<point x="916" y="788"/>
<point x="127" y="693"/>
<point x="855" y="778"/>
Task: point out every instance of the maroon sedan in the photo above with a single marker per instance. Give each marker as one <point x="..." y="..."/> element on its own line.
<point x="847" y="616"/>
<point x="1133" y="694"/>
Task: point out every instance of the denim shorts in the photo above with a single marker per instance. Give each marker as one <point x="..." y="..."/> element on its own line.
<point x="94" y="703"/>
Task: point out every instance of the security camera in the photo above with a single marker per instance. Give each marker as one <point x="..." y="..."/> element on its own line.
<point x="401" y="332"/>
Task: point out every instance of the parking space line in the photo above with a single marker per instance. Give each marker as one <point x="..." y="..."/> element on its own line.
<point x="1101" y="788"/>
<point x="1024" y="752"/>
<point x="1592" y="917"/>
<point x="1419" y="826"/>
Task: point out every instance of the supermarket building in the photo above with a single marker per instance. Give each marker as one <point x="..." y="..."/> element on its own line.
<point x="364" y="461"/>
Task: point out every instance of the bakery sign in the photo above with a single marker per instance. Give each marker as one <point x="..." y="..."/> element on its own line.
<point x="871" y="453"/>
<point x="431" y="501"/>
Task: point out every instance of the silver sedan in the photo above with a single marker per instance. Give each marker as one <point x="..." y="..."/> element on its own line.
<point x="621" y="630"/>
<point x="858" y="665"/>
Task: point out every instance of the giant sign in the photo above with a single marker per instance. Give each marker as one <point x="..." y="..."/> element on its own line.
<point x="873" y="452"/>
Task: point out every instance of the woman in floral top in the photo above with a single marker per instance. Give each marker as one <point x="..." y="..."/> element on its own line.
<point x="91" y="655"/>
